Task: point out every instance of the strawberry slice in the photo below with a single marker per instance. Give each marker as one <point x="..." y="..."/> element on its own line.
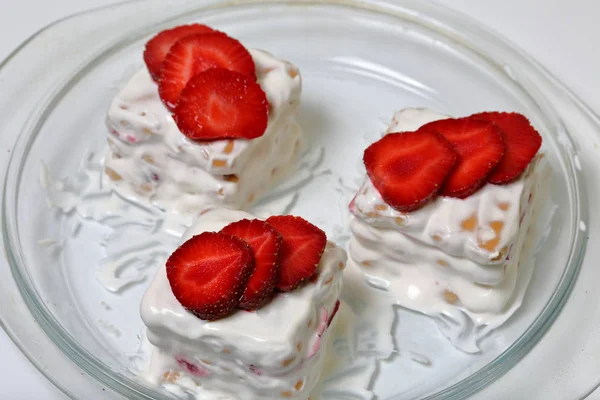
<point x="521" y="142"/>
<point x="480" y="148"/>
<point x="209" y="272"/>
<point x="158" y="47"/>
<point x="193" y="54"/>
<point x="265" y="243"/>
<point x="408" y="169"/>
<point x="219" y="103"/>
<point x="301" y="251"/>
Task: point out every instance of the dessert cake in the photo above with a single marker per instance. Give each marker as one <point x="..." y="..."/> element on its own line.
<point x="242" y="309"/>
<point x="205" y="122"/>
<point x="442" y="215"/>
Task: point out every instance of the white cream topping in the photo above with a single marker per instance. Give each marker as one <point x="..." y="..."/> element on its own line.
<point x="150" y="158"/>
<point x="455" y="259"/>
<point x="262" y="354"/>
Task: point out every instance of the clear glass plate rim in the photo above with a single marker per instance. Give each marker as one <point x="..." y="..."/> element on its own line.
<point x="381" y="6"/>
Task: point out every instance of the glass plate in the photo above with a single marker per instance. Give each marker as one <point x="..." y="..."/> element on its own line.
<point x="361" y="60"/>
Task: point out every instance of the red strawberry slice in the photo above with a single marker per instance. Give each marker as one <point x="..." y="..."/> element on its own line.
<point x="208" y="274"/>
<point x="480" y="148"/>
<point x="219" y="103"/>
<point x="301" y="251"/>
<point x="408" y="169"/>
<point x="193" y="54"/>
<point x="158" y="47"/>
<point x="521" y="142"/>
<point x="265" y="243"/>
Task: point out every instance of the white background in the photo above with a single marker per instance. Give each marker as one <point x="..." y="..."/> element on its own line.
<point x="561" y="34"/>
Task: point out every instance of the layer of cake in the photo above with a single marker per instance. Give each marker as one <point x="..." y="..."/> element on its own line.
<point x="482" y="228"/>
<point x="150" y="158"/>
<point x="271" y="353"/>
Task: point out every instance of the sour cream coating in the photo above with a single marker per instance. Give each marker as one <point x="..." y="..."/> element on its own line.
<point x="275" y="352"/>
<point x="151" y="159"/>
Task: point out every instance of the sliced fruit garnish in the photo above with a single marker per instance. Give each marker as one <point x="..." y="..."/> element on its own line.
<point x="301" y="250"/>
<point x="193" y="54"/>
<point x="521" y="142"/>
<point x="408" y="169"/>
<point x="219" y="103"/>
<point x="158" y="47"/>
<point x="265" y="243"/>
<point x="480" y="148"/>
<point x="208" y="274"/>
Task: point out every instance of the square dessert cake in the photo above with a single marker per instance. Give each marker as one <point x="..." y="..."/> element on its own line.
<point x="276" y="351"/>
<point x="450" y="254"/>
<point x="150" y="158"/>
